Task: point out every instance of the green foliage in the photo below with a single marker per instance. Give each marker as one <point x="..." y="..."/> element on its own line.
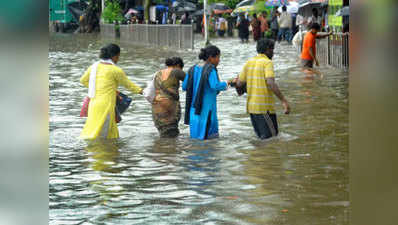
<point x="112" y="12"/>
<point x="260" y="7"/>
<point x="231" y="3"/>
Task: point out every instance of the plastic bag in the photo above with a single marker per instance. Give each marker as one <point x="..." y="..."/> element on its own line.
<point x="84" y="110"/>
<point x="149" y="92"/>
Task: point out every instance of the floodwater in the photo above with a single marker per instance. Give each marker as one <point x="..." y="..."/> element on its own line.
<point x="298" y="178"/>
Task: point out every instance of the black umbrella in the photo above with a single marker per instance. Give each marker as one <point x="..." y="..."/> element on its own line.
<point x="200" y="13"/>
<point x="77" y="9"/>
<point x="179" y="6"/>
<point x="219" y="6"/>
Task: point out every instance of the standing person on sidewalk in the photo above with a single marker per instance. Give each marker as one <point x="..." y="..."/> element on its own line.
<point x="274" y="24"/>
<point x="308" y="53"/>
<point x="256" y="26"/>
<point x="243" y="28"/>
<point x="221" y="25"/>
<point x="258" y="74"/>
<point x="285" y="25"/>
<point x="264" y="23"/>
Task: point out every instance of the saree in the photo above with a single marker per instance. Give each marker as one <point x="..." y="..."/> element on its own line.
<point x="166" y="109"/>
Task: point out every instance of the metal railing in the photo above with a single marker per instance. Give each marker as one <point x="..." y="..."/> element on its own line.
<point x="333" y="51"/>
<point x="177" y="36"/>
<point x="108" y="31"/>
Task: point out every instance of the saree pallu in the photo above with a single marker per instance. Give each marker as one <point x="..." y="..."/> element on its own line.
<point x="166" y="109"/>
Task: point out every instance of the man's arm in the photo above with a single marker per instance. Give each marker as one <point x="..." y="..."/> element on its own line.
<point x="319" y="36"/>
<point x="275" y="89"/>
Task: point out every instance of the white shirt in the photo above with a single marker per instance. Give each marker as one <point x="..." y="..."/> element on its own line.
<point x="219" y="21"/>
<point x="285" y="20"/>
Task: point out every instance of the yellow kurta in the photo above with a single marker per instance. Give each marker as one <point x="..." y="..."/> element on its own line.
<point x="108" y="78"/>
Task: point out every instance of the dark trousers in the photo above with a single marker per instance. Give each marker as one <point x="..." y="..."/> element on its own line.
<point x="285" y="34"/>
<point x="265" y="125"/>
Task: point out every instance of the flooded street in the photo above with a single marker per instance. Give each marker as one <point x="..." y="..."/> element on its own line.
<point x="299" y="178"/>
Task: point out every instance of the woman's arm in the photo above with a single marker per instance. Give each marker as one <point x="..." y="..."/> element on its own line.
<point x="85" y="78"/>
<point x="215" y="83"/>
<point x="125" y="82"/>
<point x="185" y="83"/>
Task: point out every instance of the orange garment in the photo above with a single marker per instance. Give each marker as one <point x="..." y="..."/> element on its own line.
<point x="264" y="23"/>
<point x="309" y="42"/>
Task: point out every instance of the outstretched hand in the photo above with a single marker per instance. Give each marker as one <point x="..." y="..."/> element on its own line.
<point x="286" y="107"/>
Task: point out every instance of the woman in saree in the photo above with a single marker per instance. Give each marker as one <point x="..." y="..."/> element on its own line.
<point x="202" y="85"/>
<point x="166" y="109"/>
<point x="256" y="27"/>
<point x="102" y="79"/>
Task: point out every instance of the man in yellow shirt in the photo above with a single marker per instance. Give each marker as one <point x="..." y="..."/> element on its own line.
<point x="258" y="74"/>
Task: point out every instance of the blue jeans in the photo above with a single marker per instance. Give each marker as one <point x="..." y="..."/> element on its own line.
<point x="285" y="33"/>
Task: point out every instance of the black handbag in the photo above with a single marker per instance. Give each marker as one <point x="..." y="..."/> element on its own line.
<point x="122" y="103"/>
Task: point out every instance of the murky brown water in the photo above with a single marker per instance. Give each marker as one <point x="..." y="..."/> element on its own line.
<point x="299" y="178"/>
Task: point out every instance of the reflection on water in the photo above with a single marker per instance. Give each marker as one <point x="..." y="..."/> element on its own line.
<point x="299" y="177"/>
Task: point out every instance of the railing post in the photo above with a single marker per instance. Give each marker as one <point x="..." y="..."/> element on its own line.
<point x="157" y="36"/>
<point x="192" y="37"/>
<point x="180" y="28"/>
<point x="168" y="33"/>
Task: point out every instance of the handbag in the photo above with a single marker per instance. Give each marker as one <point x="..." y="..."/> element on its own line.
<point x="149" y="92"/>
<point x="84" y="110"/>
<point x="122" y="103"/>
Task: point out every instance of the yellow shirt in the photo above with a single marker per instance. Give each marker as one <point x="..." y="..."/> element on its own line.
<point x="108" y="78"/>
<point x="260" y="99"/>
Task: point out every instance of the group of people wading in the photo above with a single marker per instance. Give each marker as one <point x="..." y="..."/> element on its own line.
<point x="201" y="83"/>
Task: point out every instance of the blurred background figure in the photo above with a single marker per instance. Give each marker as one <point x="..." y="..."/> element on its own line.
<point x="243" y="28"/>
<point x="256" y="27"/>
<point x="285" y="25"/>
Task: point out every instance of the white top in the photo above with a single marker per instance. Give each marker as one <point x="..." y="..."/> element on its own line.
<point x="285" y="20"/>
<point x="93" y="75"/>
<point x="219" y="21"/>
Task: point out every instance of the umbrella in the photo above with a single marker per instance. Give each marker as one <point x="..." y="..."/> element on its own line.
<point x="245" y="3"/>
<point x="303" y="3"/>
<point x="200" y="13"/>
<point x="244" y="9"/>
<point x="273" y="3"/>
<point x="219" y="6"/>
<point x="77" y="9"/>
<point x="292" y="8"/>
<point x="217" y="11"/>
<point x="178" y="6"/>
<point x="345" y="11"/>
<point x="183" y="4"/>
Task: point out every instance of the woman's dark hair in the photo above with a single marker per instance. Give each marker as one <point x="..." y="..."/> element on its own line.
<point x="178" y="62"/>
<point x="110" y="50"/>
<point x="174" y="61"/>
<point x="255" y="15"/>
<point x="169" y="62"/>
<point x="209" y="51"/>
<point x="263" y="44"/>
<point x="284" y="8"/>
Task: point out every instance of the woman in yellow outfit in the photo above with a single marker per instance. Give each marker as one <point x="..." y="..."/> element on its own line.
<point x="102" y="79"/>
